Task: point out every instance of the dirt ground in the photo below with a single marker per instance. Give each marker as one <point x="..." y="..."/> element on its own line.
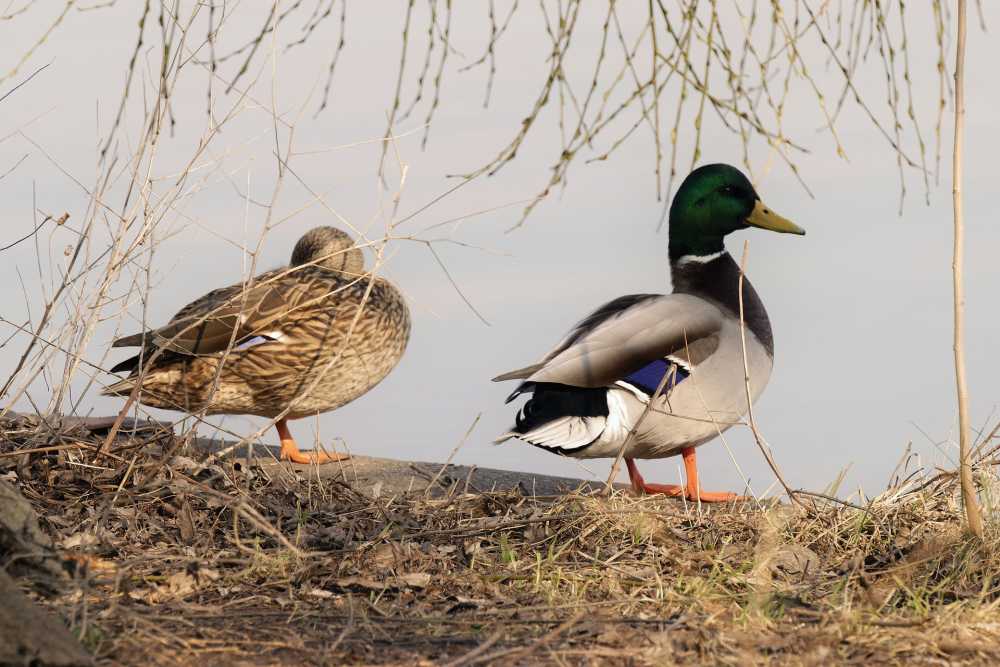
<point x="175" y="555"/>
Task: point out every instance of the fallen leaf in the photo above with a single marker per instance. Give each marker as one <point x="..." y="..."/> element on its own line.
<point x="185" y="464"/>
<point x="208" y="574"/>
<point x="84" y="539"/>
<point x="186" y="522"/>
<point x="92" y="563"/>
<point x="320" y="593"/>
<point x="411" y="579"/>
<point x="180" y="584"/>
<point x="360" y="582"/>
<point x="391" y="554"/>
<point x="415" y="579"/>
<point x="794" y="560"/>
<point x="177" y="585"/>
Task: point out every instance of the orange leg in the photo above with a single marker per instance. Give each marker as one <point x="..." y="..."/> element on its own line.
<point x="290" y="450"/>
<point x="693" y="489"/>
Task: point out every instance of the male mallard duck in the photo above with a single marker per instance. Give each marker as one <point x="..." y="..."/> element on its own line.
<point x="589" y="393"/>
<point x="307" y="338"/>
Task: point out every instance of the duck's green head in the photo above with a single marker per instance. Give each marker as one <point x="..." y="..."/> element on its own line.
<point x="715" y="200"/>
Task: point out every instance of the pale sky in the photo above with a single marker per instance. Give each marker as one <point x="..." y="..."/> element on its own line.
<point x="860" y="306"/>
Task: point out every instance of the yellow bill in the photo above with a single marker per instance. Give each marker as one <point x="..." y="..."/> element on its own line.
<point x="765" y="218"/>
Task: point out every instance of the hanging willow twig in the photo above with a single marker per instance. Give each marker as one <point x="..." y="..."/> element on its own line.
<point x="738" y="73"/>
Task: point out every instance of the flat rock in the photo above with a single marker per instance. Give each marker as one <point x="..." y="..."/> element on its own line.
<point x="368" y="474"/>
<point x="381" y="477"/>
<point x="23" y="544"/>
<point x="31" y="636"/>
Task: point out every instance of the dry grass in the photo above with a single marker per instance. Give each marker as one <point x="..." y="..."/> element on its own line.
<point x="175" y="561"/>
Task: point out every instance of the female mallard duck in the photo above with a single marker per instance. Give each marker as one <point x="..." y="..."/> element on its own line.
<point x="307" y="338"/>
<point x="591" y="391"/>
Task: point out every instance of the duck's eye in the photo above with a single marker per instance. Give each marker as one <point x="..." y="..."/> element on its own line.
<point x="729" y="190"/>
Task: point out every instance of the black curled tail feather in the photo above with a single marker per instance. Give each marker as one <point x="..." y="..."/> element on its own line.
<point x="553" y="401"/>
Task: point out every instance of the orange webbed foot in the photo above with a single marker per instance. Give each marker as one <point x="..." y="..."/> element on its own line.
<point x="692" y="492"/>
<point x="670" y="490"/>
<point x="290" y="452"/>
<point x="290" y="449"/>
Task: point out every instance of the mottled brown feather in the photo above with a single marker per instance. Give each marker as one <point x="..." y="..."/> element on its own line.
<point x="338" y="334"/>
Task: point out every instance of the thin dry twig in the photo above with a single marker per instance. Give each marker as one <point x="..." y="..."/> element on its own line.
<point x="969" y="501"/>
<point x="765" y="449"/>
<point x="454" y="451"/>
<point x="609" y="485"/>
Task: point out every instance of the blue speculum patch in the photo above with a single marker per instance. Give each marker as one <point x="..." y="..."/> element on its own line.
<point x="648" y="378"/>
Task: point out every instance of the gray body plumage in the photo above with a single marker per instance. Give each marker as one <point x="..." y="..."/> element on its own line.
<point x="696" y="329"/>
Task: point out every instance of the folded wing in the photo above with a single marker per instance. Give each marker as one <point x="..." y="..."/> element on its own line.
<point x="622" y="337"/>
<point x="224" y="316"/>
